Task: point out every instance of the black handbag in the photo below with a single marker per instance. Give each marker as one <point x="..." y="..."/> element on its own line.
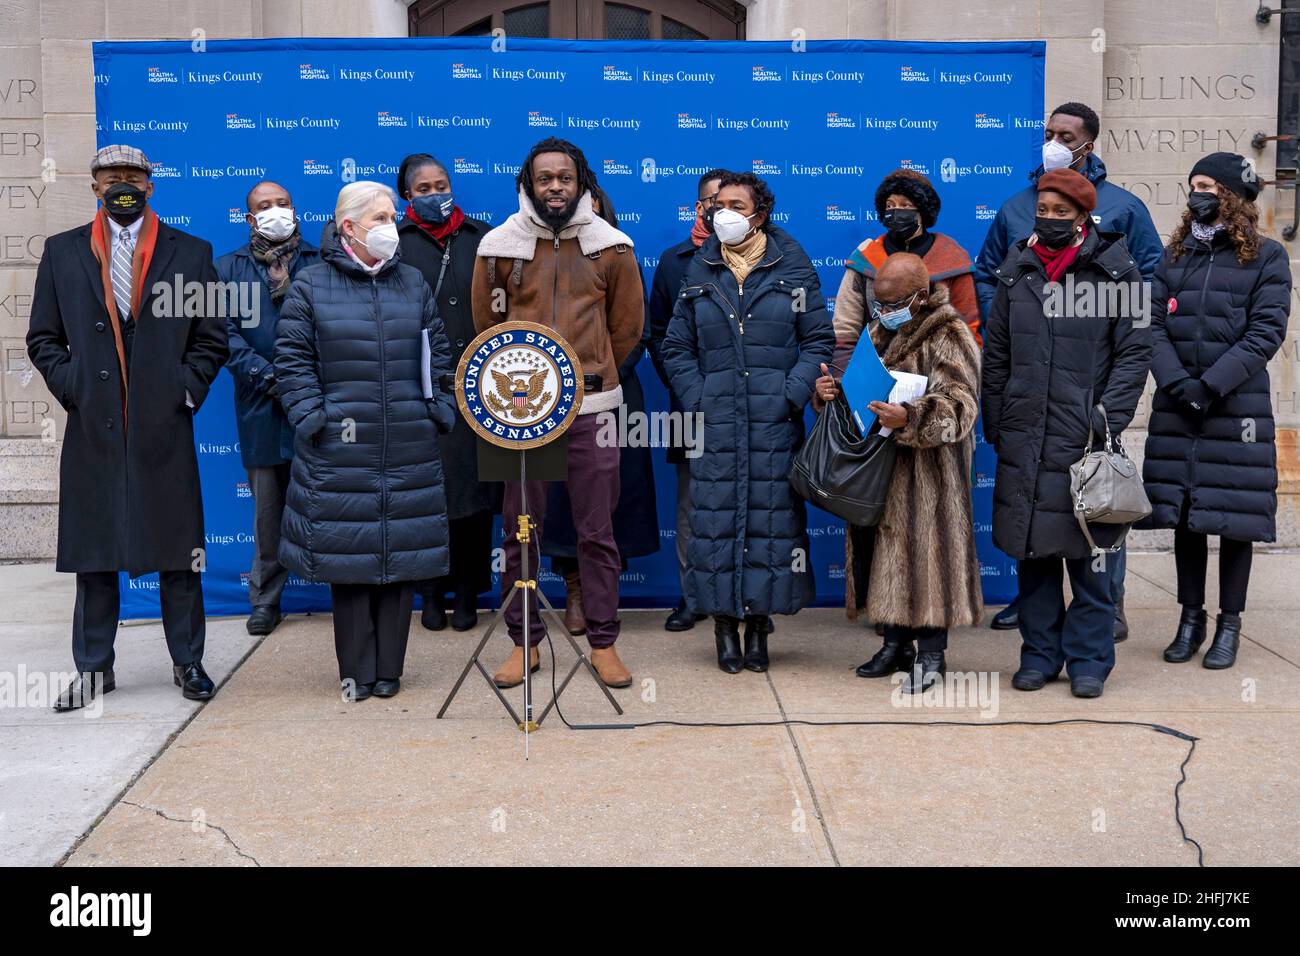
<point x="840" y="471"/>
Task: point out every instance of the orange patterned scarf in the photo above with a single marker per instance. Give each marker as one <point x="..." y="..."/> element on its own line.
<point x="99" y="237"/>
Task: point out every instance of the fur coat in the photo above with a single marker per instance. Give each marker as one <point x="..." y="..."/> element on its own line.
<point x="923" y="568"/>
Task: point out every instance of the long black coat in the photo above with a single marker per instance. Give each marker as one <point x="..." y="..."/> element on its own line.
<point x="265" y="436"/>
<point x="664" y="287"/>
<point x="466" y="495"/>
<point x="1231" y="318"/>
<point x="748" y="366"/>
<point x="1044" y="370"/>
<point x="636" y="517"/>
<point x="366" y="503"/>
<point x="129" y="499"/>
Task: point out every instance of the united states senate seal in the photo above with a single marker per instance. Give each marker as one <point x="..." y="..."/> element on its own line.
<point x="519" y="385"/>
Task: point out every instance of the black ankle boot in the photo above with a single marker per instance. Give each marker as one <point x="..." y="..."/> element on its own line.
<point x="756" y="630"/>
<point x="433" y="616"/>
<point x="726" y="634"/>
<point x="1190" y="636"/>
<point x="927" y="670"/>
<point x="1227" y="637"/>
<point x="893" y="656"/>
<point x="465" y="616"/>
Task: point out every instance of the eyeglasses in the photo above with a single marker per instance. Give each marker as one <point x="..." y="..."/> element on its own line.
<point x="882" y="307"/>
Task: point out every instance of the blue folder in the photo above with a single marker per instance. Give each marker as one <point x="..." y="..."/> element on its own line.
<point x="865" y="380"/>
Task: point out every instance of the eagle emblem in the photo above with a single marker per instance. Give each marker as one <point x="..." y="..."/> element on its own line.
<point x="519" y="395"/>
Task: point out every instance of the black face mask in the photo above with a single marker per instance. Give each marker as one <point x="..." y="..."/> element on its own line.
<point x="1204" y="207"/>
<point x="901" y="222"/>
<point x="1054" y="233"/>
<point x="707" y="218"/>
<point x="124" y="202"/>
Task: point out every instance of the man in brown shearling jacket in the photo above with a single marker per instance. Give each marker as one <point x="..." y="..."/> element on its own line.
<point x="556" y="263"/>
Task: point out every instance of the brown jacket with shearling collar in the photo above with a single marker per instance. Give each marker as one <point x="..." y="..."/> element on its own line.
<point x="583" y="282"/>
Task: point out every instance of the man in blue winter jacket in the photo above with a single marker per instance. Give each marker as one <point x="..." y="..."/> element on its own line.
<point x="1070" y="139"/>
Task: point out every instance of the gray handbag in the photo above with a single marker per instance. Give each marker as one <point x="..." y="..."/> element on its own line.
<point x="1107" y="488"/>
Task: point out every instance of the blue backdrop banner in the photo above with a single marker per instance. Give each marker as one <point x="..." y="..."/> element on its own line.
<point x="822" y="121"/>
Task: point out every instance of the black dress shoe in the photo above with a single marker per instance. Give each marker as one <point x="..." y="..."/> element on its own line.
<point x="264" y="619"/>
<point x="1227" y="638"/>
<point x="1007" y="619"/>
<point x="465" y="615"/>
<point x="756" y="630"/>
<point x="1189" y="637"/>
<point x="193" y="681"/>
<point x="432" y="616"/>
<point x="925" y="672"/>
<point x="893" y="656"/>
<point x="355" y="692"/>
<point x="83" y="689"/>
<point x="1121" y="624"/>
<point x="386" y="688"/>
<point x="726" y="635"/>
<point x="682" y="619"/>
<point x="1087" y="686"/>
<point x="1029" y="679"/>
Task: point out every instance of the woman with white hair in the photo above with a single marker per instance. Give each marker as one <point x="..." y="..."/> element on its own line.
<point x="366" y="510"/>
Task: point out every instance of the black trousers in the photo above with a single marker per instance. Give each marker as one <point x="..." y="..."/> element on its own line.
<point x="371" y="624"/>
<point x="98" y="606"/>
<point x="1192" y="554"/>
<point x="927" y="639"/>
<point x="267" y="577"/>
<point x="469" y="571"/>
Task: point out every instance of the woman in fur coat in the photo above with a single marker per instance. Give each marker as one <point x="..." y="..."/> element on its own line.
<point x="924" y="571"/>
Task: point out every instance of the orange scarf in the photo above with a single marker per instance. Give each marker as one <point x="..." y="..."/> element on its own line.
<point x="99" y="236"/>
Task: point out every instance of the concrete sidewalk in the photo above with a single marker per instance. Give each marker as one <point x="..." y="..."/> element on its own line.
<point x="277" y="770"/>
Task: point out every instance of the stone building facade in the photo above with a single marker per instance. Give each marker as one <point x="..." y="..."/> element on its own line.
<point x="1171" y="82"/>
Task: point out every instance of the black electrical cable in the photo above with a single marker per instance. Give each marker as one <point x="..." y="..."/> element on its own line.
<point x="788" y="722"/>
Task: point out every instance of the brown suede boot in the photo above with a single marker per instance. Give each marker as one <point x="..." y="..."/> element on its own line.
<point x="575" y="618"/>
<point x="511" y="673"/>
<point x="611" y="670"/>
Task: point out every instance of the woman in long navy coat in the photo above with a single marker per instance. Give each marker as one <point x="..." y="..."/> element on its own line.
<point x="366" y="509"/>
<point x="1220" y="302"/>
<point x="747" y="339"/>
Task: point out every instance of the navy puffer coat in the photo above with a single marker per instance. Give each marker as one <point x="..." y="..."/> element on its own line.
<point x="1231" y="318"/>
<point x="366" y="503"/>
<point x="747" y="363"/>
<point x="1047" y="363"/>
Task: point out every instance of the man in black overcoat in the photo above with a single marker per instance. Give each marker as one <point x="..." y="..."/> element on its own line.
<point x="128" y="332"/>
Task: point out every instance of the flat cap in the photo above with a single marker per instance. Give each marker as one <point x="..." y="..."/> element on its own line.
<point x="120" y="156"/>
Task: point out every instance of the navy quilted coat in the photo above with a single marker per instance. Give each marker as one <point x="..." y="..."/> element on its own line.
<point x="747" y="363"/>
<point x="1230" y="320"/>
<point x="1045" y="366"/>
<point x="366" y="503"/>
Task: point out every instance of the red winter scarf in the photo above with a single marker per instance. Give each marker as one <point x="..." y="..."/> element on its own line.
<point x="100" y="235"/>
<point x="699" y="232"/>
<point x="1056" y="261"/>
<point x="441" y="232"/>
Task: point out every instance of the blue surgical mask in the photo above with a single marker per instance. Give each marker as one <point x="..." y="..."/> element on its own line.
<point x="433" y="208"/>
<point x="897" y="318"/>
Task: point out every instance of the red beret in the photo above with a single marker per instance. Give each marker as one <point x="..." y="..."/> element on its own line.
<point x="1073" y="186"/>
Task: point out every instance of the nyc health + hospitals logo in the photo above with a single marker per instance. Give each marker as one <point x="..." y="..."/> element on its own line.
<point x="518" y="385"/>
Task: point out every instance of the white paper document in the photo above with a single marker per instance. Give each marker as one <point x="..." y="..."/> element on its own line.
<point x="908" y="387"/>
<point x="426" y="356"/>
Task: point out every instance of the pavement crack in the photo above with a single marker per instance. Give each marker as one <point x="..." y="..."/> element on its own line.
<point x="803" y="768"/>
<point x="219" y="829"/>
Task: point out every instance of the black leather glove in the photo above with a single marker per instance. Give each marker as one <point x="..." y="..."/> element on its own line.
<point x="1194" y="394"/>
<point x="269" y="384"/>
<point x="1098" y="421"/>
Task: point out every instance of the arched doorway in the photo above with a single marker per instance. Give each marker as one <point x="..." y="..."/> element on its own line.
<point x="581" y="19"/>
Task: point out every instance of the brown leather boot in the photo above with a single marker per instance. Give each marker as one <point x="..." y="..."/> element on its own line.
<point x="611" y="670"/>
<point x="511" y="673"/>
<point x="575" y="618"/>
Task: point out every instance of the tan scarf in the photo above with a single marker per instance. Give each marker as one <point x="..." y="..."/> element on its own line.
<point x="100" y="236"/>
<point x="743" y="256"/>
